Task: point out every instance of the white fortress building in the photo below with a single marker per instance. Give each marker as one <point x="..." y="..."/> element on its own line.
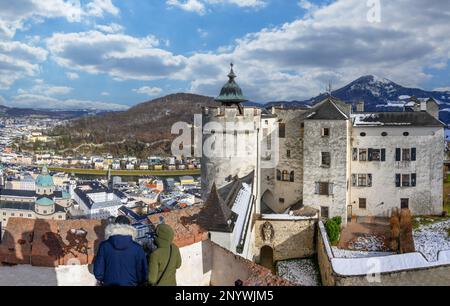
<point x="324" y="161"/>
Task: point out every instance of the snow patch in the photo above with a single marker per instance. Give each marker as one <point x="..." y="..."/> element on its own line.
<point x="302" y="272"/>
<point x="430" y="239"/>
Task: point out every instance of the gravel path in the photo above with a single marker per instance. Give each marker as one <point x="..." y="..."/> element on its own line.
<point x="303" y="272"/>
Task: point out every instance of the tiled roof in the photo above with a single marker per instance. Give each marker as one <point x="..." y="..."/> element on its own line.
<point x="396" y="119"/>
<point x="329" y="109"/>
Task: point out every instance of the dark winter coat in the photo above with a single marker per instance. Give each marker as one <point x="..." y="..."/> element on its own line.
<point x="160" y="257"/>
<point x="120" y="261"/>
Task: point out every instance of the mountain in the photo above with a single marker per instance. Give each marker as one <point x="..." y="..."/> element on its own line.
<point x="378" y="94"/>
<point x="6" y="111"/>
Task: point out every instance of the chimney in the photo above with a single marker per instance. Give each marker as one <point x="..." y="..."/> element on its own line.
<point x="423" y="106"/>
<point x="360" y="107"/>
<point x="273" y="110"/>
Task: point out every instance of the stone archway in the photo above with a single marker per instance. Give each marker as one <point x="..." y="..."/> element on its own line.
<point x="267" y="201"/>
<point x="266" y="257"/>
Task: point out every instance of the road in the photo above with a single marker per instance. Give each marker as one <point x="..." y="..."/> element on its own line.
<point x="128" y="172"/>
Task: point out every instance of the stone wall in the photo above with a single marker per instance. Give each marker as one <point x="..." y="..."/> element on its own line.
<point x="291" y="238"/>
<point x="396" y="270"/>
<point x="337" y="144"/>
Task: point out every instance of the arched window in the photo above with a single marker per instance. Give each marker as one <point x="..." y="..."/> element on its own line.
<point x="285" y="176"/>
<point x="278" y="175"/>
<point x="292" y="176"/>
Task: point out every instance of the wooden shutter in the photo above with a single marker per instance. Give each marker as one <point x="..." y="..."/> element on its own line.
<point x="369" y="154"/>
<point x="330" y="188"/>
<point x="355" y="154"/>
<point x="383" y="154"/>
<point x="398" y="154"/>
<point x="413" y="180"/>
<point x="369" y="180"/>
<point x="397" y="180"/>
<point x="317" y="187"/>
<point x="413" y="154"/>
<point x="354" y="180"/>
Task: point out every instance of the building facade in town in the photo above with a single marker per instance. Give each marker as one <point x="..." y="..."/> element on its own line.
<point x="44" y="202"/>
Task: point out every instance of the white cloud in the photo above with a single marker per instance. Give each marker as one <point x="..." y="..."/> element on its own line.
<point x="45" y="102"/>
<point x="188" y="5"/>
<point x="44" y="89"/>
<point x="199" y="6"/>
<point x="150" y="91"/>
<point x="109" y="28"/>
<point x="72" y="75"/>
<point x="121" y="56"/>
<point x="18" y="60"/>
<point x="443" y="89"/>
<point x="105" y="93"/>
<point x="14" y="15"/>
<point x="335" y="42"/>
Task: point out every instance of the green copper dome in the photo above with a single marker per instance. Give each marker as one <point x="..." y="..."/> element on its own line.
<point x="45" y="202"/>
<point x="44" y="179"/>
<point x="231" y="92"/>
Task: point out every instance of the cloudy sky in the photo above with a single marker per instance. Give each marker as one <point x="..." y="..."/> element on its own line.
<point x="111" y="54"/>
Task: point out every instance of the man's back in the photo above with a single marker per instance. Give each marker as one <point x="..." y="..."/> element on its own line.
<point x="120" y="261"/>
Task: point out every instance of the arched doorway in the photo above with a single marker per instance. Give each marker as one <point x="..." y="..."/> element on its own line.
<point x="267" y="202"/>
<point x="266" y="257"/>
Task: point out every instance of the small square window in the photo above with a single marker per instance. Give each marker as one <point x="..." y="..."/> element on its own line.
<point x="325" y="159"/>
<point x="362" y="203"/>
<point x="288" y="153"/>
<point x="325" y="132"/>
<point x="404" y="203"/>
<point x="324" y="212"/>
<point x="281" y="200"/>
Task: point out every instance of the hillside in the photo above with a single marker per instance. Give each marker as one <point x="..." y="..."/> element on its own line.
<point x="141" y="130"/>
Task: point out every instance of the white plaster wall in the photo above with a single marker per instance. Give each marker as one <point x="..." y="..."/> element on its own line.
<point x="196" y="265"/>
<point x="218" y="168"/>
<point x="426" y="197"/>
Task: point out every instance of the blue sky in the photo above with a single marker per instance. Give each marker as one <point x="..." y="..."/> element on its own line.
<point x="112" y="54"/>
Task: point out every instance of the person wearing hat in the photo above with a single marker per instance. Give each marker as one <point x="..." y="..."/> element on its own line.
<point x="165" y="260"/>
<point x="120" y="261"/>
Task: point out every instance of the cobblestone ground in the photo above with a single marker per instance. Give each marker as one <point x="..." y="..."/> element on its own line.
<point x="303" y="272"/>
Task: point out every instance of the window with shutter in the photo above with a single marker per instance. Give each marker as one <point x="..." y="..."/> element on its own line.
<point x="413" y="154"/>
<point x="383" y="154"/>
<point x="406" y="154"/>
<point x="362" y="154"/>
<point x="406" y="180"/>
<point x="370" y="154"/>
<point x="355" y="154"/>
<point x="397" y="180"/>
<point x="398" y="154"/>
<point x="330" y="188"/>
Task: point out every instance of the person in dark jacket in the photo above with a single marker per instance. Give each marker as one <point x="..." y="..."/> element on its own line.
<point x="165" y="260"/>
<point x="120" y="261"/>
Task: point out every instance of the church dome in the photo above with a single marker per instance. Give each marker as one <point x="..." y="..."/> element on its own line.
<point x="44" y="179"/>
<point x="231" y="92"/>
<point x="44" y="201"/>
